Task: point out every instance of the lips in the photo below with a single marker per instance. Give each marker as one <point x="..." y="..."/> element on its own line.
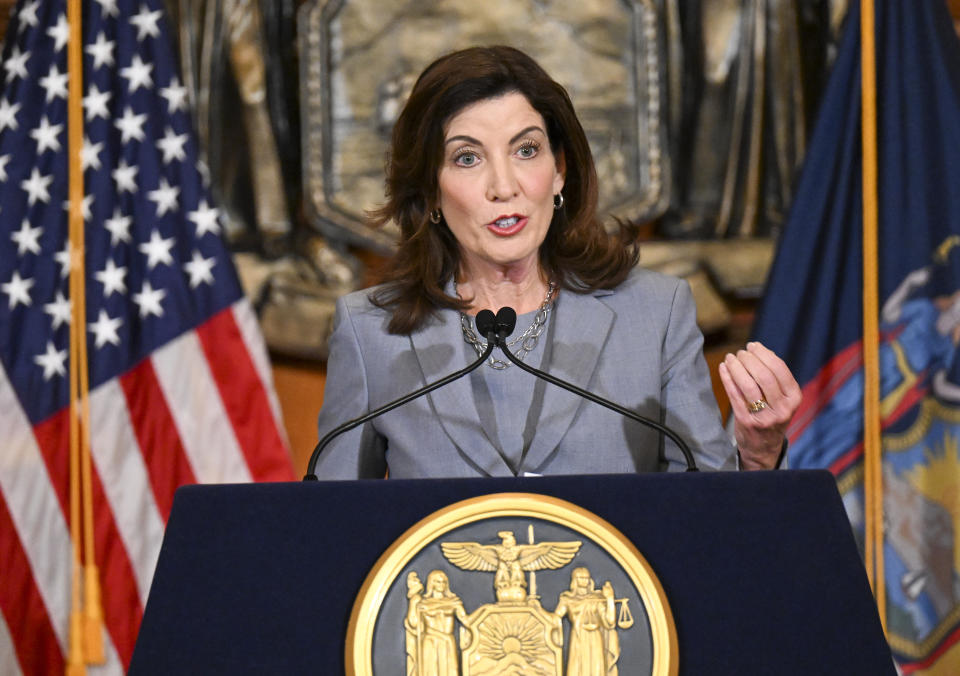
<point x="505" y="226"/>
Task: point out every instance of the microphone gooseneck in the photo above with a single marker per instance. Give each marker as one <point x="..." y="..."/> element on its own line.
<point x="506" y="320"/>
<point x="486" y="323"/>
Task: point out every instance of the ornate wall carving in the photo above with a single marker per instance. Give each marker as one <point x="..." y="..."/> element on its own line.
<point x="359" y="60"/>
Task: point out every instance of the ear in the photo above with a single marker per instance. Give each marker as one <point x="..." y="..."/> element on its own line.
<point x="561" y="176"/>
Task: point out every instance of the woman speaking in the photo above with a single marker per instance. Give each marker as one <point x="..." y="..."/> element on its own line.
<point x="491" y="180"/>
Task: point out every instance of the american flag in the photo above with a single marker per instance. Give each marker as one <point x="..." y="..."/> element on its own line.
<point x="180" y="385"/>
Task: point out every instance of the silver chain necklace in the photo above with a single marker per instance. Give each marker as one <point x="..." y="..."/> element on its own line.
<point x="527" y="340"/>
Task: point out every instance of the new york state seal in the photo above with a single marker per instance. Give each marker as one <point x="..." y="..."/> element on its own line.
<point x="459" y="595"/>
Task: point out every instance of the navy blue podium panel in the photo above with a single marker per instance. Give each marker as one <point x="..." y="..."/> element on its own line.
<point x="760" y="569"/>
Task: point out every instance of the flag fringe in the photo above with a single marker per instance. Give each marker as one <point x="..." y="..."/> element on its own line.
<point x="92" y="617"/>
<point x="75" y="664"/>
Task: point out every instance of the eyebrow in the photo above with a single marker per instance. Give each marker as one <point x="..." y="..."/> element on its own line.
<point x="514" y="139"/>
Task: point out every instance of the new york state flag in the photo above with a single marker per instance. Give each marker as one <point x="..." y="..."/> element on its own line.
<point x="814" y="306"/>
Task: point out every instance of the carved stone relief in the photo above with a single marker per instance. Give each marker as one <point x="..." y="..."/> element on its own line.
<point x="360" y="59"/>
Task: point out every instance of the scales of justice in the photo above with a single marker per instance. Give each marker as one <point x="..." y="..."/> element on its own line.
<point x="516" y="635"/>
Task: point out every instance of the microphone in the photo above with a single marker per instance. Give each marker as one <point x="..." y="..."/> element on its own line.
<point x="487" y="322"/>
<point x="486" y="325"/>
<point x="505" y="322"/>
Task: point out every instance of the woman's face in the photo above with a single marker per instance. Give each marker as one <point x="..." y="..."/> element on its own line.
<point x="497" y="182"/>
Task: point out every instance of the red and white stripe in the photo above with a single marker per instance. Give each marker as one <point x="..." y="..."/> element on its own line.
<point x="201" y="408"/>
<point x="8" y="656"/>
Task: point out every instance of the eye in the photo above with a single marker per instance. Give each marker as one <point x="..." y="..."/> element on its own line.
<point x="528" y="150"/>
<point x="465" y="158"/>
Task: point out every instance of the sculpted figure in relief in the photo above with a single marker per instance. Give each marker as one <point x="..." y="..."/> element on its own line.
<point x="431" y="615"/>
<point x="594" y="646"/>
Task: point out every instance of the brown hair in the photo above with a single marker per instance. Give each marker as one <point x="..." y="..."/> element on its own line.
<point x="577" y="253"/>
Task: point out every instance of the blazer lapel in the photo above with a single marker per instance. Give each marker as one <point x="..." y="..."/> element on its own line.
<point x="581" y="325"/>
<point x="439" y="354"/>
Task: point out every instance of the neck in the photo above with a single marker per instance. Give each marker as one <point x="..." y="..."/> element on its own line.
<point x="521" y="289"/>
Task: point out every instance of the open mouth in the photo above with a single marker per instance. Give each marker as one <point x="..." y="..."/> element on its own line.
<point x="507" y="226"/>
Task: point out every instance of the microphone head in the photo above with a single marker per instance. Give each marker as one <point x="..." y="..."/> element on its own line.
<point x="486" y="323"/>
<point x="506" y="321"/>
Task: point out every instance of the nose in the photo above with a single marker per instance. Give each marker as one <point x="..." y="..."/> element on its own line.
<point x="502" y="181"/>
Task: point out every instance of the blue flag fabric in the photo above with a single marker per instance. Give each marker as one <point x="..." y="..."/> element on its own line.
<point x="812" y="314"/>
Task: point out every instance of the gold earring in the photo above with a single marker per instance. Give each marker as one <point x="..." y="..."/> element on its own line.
<point x="436" y="216"/>
<point x="558" y="201"/>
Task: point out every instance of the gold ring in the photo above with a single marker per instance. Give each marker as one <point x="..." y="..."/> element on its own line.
<point x="757" y="406"/>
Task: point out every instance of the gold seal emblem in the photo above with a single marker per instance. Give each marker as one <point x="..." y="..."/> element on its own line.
<point x="424" y="610"/>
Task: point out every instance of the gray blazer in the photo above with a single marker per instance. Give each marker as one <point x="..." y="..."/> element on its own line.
<point x="637" y="345"/>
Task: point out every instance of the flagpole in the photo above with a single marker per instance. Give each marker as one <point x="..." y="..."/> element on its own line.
<point x="76" y="666"/>
<point x="872" y="448"/>
<point x="92" y="613"/>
